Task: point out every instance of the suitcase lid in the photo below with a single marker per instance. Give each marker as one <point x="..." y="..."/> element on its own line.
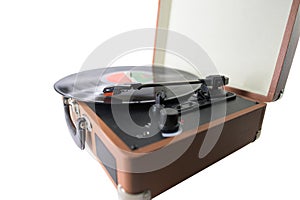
<point x="252" y="42"/>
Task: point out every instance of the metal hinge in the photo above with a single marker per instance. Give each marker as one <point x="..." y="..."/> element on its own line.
<point x="281" y="93"/>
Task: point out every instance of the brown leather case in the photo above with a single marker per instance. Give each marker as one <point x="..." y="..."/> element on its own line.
<point x="239" y="129"/>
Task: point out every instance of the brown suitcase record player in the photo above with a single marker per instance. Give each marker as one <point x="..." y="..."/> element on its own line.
<point x="152" y="127"/>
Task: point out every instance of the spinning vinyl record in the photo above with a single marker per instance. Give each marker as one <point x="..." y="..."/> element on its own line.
<point x="90" y="86"/>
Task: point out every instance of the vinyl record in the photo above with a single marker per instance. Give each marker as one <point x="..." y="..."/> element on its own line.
<point x="88" y="86"/>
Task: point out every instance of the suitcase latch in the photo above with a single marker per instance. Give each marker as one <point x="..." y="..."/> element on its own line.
<point x="81" y="127"/>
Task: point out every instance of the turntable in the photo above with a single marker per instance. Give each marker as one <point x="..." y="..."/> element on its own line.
<point x="153" y="126"/>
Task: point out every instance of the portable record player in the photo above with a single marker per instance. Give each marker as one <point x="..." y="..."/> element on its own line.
<point x="152" y="127"/>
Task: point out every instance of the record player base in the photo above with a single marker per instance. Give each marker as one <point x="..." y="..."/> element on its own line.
<point x="238" y="130"/>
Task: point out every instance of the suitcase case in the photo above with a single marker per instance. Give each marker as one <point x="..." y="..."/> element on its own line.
<point x="144" y="168"/>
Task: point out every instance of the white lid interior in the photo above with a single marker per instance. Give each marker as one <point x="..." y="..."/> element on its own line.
<point x="243" y="38"/>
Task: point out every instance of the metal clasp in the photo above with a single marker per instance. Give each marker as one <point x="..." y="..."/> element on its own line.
<point x="75" y="107"/>
<point x="81" y="127"/>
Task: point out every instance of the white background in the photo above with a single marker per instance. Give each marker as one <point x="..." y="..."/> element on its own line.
<point x="41" y="42"/>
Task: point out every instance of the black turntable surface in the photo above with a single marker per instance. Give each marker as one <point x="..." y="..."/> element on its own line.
<point x="131" y="100"/>
<point x="139" y="113"/>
